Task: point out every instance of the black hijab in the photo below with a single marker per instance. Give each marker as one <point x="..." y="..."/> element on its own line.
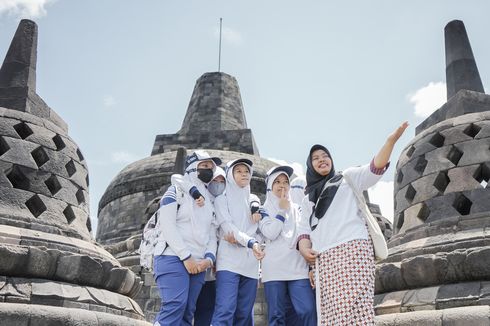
<point x="315" y="183"/>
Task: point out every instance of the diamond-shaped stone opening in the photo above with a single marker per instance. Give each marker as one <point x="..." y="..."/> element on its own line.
<point x="482" y="175"/>
<point x="424" y="212"/>
<point x="441" y="181"/>
<point x="410" y="151"/>
<point x="399" y="177"/>
<point x="18" y="179"/>
<point x="89" y="224"/>
<point x="58" y="142"/>
<point x="410" y="194"/>
<point x="69" y="214"/>
<point x="454" y="155"/>
<point x="80" y="196"/>
<point x="462" y="204"/>
<point x="472" y="130"/>
<point x="420" y="165"/>
<point x="23" y="130"/>
<point x="80" y="156"/>
<point x="4" y="147"/>
<point x="86" y="180"/>
<point x="400" y="221"/>
<point x="437" y="140"/>
<point x="40" y="157"/>
<point x="53" y="184"/>
<point x="70" y="168"/>
<point x="35" y="206"/>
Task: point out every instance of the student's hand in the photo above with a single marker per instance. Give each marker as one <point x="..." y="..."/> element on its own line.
<point x="258" y="252"/>
<point x="191" y="265"/>
<point x="200" y="201"/>
<point x="256" y="217"/>
<point x="230" y="238"/>
<point x="305" y="250"/>
<point x="203" y="265"/>
<point x="284" y="201"/>
<point x="393" y="138"/>
<point x="311" y="276"/>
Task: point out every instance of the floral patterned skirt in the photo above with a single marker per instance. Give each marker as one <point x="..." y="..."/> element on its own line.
<point x="345" y="281"/>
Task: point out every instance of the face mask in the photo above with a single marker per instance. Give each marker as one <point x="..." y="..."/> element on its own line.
<point x="205" y="175"/>
<point x="216" y="188"/>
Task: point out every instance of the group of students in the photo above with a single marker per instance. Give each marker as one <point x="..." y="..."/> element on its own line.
<point x="314" y="251"/>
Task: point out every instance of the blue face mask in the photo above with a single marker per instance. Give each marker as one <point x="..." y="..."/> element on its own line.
<point x="216" y="188"/>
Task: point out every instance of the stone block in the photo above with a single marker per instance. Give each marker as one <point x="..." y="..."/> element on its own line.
<point x="14" y="258"/>
<point x="79" y="269"/>
<point x="466" y="316"/>
<point x="476" y="264"/>
<point x="424" y="270"/>
<point x="390" y="277"/>
<point x="421" y="299"/>
<point x="457" y="295"/>
<point x="391" y="303"/>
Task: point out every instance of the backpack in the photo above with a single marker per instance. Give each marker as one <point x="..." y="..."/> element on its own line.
<point x="151" y="234"/>
<point x="149" y="240"/>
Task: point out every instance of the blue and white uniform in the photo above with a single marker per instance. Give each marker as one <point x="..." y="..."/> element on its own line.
<point x="237" y="267"/>
<point x="186" y="230"/>
<point x="284" y="270"/>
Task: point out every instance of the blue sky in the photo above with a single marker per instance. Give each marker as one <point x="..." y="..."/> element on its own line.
<point x="340" y="73"/>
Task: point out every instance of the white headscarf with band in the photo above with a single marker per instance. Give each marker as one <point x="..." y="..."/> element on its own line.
<point x="297" y="190"/>
<point x="291" y="216"/>
<point x="238" y="199"/>
<point x="200" y="214"/>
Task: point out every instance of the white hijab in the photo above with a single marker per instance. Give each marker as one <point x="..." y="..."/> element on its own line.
<point x="199" y="213"/>
<point x="238" y="198"/>
<point x="297" y="190"/>
<point x="271" y="206"/>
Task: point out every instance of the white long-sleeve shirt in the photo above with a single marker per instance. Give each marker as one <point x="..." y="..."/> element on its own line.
<point x="282" y="261"/>
<point x="343" y="220"/>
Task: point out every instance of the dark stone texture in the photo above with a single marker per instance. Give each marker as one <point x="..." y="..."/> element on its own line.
<point x="461" y="70"/>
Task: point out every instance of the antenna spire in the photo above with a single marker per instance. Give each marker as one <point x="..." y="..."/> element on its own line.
<point x="219" y="55"/>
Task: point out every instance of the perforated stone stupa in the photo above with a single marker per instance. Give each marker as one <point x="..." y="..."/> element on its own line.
<point x="51" y="271"/>
<point x="438" y="269"/>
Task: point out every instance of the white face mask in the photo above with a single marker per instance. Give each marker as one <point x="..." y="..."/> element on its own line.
<point x="216" y="188"/>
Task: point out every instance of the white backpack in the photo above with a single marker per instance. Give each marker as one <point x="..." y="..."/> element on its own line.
<point x="151" y="235"/>
<point x="149" y="240"/>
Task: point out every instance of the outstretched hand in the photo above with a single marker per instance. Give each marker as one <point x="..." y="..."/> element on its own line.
<point x="398" y="132"/>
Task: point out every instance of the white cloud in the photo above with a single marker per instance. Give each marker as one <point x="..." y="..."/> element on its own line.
<point x="109" y="101"/>
<point x="230" y="36"/>
<point x="123" y="157"/>
<point x="24" y="8"/>
<point x="297" y="167"/>
<point x="382" y="195"/>
<point x="428" y="98"/>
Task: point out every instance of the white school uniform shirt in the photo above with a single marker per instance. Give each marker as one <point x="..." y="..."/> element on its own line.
<point x="189" y="230"/>
<point x="280" y="228"/>
<point x="233" y="215"/>
<point x="343" y="221"/>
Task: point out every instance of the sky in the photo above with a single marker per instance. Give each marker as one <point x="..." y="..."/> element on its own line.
<point x="341" y="73"/>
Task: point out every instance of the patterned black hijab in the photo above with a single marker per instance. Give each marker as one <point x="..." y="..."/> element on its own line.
<point x="315" y="183"/>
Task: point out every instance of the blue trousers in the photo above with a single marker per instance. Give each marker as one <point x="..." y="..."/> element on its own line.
<point x="178" y="291"/>
<point x="235" y="297"/>
<point x="205" y="304"/>
<point x="302" y="299"/>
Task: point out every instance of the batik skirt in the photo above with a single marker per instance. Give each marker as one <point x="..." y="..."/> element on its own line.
<point x="345" y="284"/>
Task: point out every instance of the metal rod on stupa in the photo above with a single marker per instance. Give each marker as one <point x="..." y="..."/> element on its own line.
<point x="461" y="69"/>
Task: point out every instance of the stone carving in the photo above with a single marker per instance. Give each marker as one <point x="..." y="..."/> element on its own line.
<point x="50" y="266"/>
<point x="440" y="249"/>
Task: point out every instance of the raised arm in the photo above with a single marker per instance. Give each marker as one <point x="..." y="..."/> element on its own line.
<point x="383" y="156"/>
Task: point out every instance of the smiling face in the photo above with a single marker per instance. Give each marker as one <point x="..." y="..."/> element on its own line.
<point x="241" y="174"/>
<point x="280" y="184"/>
<point x="321" y="162"/>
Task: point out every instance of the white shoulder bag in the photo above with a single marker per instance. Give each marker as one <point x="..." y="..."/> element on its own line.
<point x="377" y="237"/>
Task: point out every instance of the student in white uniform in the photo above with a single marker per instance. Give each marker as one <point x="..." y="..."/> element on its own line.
<point x="186" y="245"/>
<point x="237" y="264"/>
<point x="284" y="270"/>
